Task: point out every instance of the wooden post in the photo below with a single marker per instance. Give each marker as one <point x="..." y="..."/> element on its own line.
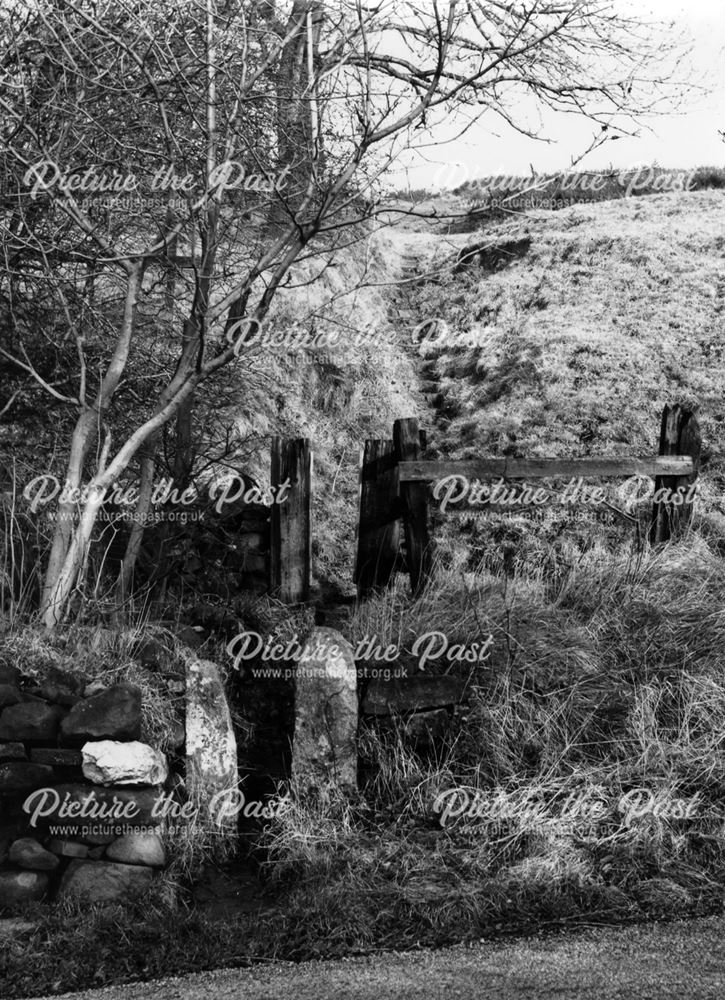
<point x="679" y="435"/>
<point x="290" y="554"/>
<point x="414" y="505"/>
<point x="378" y="535"/>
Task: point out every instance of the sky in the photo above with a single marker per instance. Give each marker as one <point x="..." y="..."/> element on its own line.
<point x="683" y="139"/>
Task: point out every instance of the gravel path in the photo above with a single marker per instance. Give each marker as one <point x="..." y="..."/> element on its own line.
<point x="657" y="962"/>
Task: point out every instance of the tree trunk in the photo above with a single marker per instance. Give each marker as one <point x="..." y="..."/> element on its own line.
<point x="298" y="129"/>
<point x="83" y="436"/>
<point x="70" y="542"/>
<point x="55" y="603"/>
<point x="143" y="508"/>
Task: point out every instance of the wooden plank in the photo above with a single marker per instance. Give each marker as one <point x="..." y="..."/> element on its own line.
<point x="412" y="694"/>
<point x="414" y="502"/>
<point x="543" y="468"/>
<point x="290" y="557"/>
<point x="378" y="534"/>
<point x="679" y="435"/>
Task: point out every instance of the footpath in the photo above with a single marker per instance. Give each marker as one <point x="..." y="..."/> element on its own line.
<point x="676" y="961"/>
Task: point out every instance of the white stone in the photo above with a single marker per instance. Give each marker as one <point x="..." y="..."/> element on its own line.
<point x="95" y="687"/>
<point x="211" y="747"/>
<point x="109" y="762"/>
<point x="324" y="751"/>
<point x="138" y="849"/>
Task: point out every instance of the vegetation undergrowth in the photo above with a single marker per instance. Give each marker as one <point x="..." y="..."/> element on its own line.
<point x="584" y="783"/>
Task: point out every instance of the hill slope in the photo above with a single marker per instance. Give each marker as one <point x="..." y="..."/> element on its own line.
<point x="615" y="309"/>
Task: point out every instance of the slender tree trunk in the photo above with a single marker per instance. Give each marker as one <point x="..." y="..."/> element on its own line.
<point x="184" y="457"/>
<point x="184" y="452"/>
<point x="70" y="541"/>
<point x="172" y="246"/>
<point x="182" y="467"/>
<point x="83" y="436"/>
<point x="298" y="133"/>
<point x="59" y="594"/>
<point x="143" y="508"/>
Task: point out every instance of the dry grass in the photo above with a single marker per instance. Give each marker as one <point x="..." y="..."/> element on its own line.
<point x="616" y="309"/>
<point x="607" y="683"/>
<point x="99" y="654"/>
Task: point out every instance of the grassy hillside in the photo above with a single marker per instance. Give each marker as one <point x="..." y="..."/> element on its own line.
<point x="616" y="309"/>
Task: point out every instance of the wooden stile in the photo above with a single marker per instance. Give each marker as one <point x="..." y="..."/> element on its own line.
<point x="543" y="468"/>
<point x="679" y="435"/>
<point x="290" y="556"/>
<point x="674" y="468"/>
<point x="414" y="505"/>
<point x="378" y="535"/>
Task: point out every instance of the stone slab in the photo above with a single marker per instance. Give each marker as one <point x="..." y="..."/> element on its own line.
<point x="324" y="749"/>
<point x="113" y="714"/>
<point x="56" y="756"/>
<point x="19" y="776"/>
<point x="32" y="722"/>
<point x="104" y="881"/>
<point x="12" y="751"/>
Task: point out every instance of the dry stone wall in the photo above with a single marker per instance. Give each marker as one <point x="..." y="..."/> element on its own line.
<point x="78" y="791"/>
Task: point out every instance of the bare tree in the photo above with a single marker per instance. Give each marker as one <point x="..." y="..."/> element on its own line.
<point x="225" y="114"/>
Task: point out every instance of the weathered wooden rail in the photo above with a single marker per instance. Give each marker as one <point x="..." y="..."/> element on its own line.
<point x="546" y="468"/>
<point x="395" y="489"/>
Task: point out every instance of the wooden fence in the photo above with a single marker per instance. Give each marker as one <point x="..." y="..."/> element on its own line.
<point x="290" y="542"/>
<point x="395" y="489"/>
<point x="274" y="542"/>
